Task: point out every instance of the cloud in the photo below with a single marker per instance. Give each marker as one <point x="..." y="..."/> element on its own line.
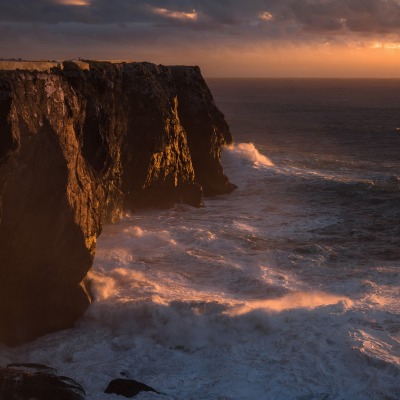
<point x="73" y="2"/>
<point x="366" y="16"/>
<point x="307" y="16"/>
<point x="266" y="16"/>
<point x="179" y="15"/>
<point x="83" y="24"/>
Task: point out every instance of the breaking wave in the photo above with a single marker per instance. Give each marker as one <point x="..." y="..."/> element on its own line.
<point x="248" y="152"/>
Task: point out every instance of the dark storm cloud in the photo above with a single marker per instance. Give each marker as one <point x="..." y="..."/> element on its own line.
<point x="53" y="12"/>
<point x="367" y="16"/>
<point x="244" y="19"/>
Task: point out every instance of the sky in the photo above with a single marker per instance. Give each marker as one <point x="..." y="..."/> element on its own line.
<point x="226" y="38"/>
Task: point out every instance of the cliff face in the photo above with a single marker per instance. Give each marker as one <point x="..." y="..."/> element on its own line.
<point x="77" y="146"/>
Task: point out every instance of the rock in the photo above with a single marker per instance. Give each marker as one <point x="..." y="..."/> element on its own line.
<point x="38" y="382"/>
<point x="205" y="140"/>
<point x="127" y="387"/>
<point x="78" y="145"/>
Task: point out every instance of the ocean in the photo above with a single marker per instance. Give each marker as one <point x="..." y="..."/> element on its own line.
<point x="286" y="289"/>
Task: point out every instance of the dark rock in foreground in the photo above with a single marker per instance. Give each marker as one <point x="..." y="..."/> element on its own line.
<point x="76" y="147"/>
<point x="127" y="387"/>
<point x="31" y="381"/>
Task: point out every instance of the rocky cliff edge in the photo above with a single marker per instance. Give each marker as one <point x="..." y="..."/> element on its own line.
<point x="78" y="145"/>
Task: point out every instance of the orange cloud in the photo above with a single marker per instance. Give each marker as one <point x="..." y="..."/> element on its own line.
<point x="74" y="2"/>
<point x="266" y="16"/>
<point x="386" y="45"/>
<point x="176" y="14"/>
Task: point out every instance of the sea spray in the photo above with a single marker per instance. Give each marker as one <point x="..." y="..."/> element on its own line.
<point x="247" y="151"/>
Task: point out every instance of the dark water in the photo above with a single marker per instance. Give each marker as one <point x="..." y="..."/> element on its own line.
<point x="346" y="131"/>
<point x="349" y="120"/>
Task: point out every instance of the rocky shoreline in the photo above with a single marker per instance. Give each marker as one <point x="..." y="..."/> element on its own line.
<point x="39" y="382"/>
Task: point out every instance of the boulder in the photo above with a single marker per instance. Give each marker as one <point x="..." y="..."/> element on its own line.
<point x="127" y="387"/>
<point x="33" y="381"/>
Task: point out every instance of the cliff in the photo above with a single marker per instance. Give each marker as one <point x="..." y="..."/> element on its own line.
<point x="78" y="145"/>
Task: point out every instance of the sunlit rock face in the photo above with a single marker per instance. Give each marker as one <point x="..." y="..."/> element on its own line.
<point x="76" y="147"/>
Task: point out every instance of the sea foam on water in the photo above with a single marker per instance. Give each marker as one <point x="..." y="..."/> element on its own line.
<point x="186" y="302"/>
<point x="285" y="289"/>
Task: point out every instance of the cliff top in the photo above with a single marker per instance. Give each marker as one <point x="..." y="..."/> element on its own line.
<point x="47" y="65"/>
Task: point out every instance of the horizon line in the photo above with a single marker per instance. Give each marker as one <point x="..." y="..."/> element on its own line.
<point x="302" y="77"/>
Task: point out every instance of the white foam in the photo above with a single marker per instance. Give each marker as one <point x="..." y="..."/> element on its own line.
<point x="210" y="319"/>
<point x="249" y="152"/>
<point x="292" y="301"/>
<point x="232" y="301"/>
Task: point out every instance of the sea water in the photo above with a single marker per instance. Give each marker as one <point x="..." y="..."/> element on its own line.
<point x="286" y="289"/>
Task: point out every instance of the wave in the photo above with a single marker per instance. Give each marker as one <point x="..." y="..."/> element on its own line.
<point x="237" y="300"/>
<point x="247" y="151"/>
<point x="245" y="164"/>
<point x="291" y="301"/>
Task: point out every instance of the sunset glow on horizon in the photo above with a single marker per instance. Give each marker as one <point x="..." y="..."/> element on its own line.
<point x="259" y="38"/>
